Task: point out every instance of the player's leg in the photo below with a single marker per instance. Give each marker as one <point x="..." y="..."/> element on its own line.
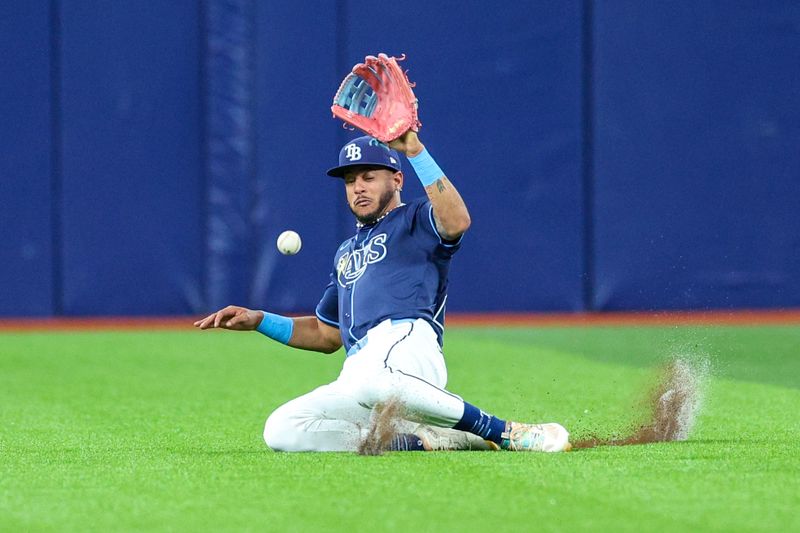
<point x="326" y="419"/>
<point x="403" y="362"/>
<point x="440" y="408"/>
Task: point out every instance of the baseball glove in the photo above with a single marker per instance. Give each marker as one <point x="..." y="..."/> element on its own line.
<point x="376" y="97"/>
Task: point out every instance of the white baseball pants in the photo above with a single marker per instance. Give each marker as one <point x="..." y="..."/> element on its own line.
<point x="398" y="360"/>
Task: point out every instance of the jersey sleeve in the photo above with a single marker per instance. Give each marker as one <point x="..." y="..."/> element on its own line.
<point x="328" y="307"/>
<point x="423" y="229"/>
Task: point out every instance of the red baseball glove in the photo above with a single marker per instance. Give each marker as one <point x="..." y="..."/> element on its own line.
<point x="376" y="97"/>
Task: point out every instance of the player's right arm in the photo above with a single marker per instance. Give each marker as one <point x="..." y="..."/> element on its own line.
<point x="450" y="213"/>
<point x="308" y="332"/>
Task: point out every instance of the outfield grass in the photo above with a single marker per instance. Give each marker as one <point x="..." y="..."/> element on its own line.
<point x="142" y="430"/>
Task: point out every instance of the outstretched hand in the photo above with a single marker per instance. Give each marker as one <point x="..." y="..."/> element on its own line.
<point x="232" y="317"/>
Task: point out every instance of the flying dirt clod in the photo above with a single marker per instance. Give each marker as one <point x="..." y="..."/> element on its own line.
<point x="674" y="404"/>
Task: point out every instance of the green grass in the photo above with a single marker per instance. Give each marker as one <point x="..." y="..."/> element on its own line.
<point x="141" y="430"/>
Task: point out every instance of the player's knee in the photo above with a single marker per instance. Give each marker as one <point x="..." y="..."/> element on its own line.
<point x="378" y="389"/>
<point x="280" y="432"/>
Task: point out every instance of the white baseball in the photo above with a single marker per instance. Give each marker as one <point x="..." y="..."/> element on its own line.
<point x="289" y="242"/>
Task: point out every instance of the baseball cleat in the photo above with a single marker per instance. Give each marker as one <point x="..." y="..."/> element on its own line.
<point x="445" y="439"/>
<point x="535" y="438"/>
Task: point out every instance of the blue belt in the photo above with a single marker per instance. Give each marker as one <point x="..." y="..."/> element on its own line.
<point x="360" y="343"/>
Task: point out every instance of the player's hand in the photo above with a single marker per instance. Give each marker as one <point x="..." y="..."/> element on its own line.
<point x="232" y="317"/>
<point x="408" y="143"/>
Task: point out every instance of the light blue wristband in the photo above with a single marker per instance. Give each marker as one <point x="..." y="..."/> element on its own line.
<point x="426" y="168"/>
<point x="276" y="327"/>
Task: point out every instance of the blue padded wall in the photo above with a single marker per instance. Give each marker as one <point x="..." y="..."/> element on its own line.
<point x="26" y="226"/>
<point x="132" y="197"/>
<point x="231" y="148"/>
<point x="500" y="101"/>
<point x="697" y="154"/>
<point x="613" y="155"/>
<point x="297" y="143"/>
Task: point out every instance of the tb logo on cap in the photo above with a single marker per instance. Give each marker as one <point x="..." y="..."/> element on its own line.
<point x="352" y="152"/>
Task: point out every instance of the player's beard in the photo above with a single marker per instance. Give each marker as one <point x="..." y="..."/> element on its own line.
<point x="383" y="202"/>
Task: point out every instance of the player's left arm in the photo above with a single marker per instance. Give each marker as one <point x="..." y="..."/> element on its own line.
<point x="449" y="210"/>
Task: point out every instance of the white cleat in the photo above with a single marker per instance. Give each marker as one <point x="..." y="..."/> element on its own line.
<point x="446" y="439"/>
<point x="520" y="437"/>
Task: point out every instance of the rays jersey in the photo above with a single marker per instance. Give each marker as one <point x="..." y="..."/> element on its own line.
<point x="395" y="268"/>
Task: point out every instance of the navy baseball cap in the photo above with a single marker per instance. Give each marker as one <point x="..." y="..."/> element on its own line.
<point x="365" y="150"/>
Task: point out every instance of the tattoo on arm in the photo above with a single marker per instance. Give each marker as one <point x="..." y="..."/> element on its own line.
<point x="440" y="185"/>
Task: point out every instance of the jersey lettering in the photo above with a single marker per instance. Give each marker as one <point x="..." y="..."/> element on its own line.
<point x="352" y="265"/>
<point x="407" y="279"/>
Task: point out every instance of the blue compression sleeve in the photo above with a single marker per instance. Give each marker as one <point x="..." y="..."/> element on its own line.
<point x="426" y="168"/>
<point x="276" y="327"/>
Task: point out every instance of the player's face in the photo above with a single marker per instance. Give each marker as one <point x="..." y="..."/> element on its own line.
<point x="371" y="192"/>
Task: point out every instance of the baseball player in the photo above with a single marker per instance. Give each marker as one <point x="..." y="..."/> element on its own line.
<point x="385" y="303"/>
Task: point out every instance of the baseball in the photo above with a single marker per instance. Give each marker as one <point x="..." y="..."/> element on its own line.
<point x="289" y="242"/>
